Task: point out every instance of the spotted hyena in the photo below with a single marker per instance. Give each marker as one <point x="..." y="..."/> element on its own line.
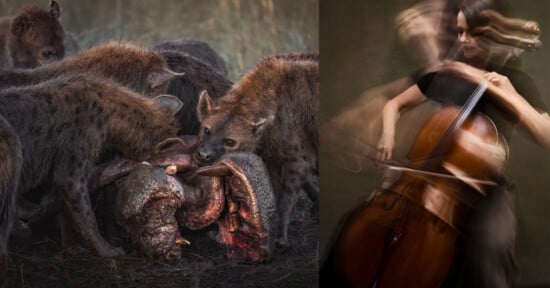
<point x="130" y="65"/>
<point x="127" y="64"/>
<point x="32" y="38"/>
<point x="273" y="112"/>
<point x="67" y="123"/>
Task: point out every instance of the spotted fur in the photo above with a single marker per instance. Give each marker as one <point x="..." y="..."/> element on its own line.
<point x="67" y="123"/>
<point x="130" y="65"/>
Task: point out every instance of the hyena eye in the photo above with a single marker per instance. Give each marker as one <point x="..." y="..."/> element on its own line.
<point x="47" y="53"/>
<point x="229" y="142"/>
<point x="206" y="131"/>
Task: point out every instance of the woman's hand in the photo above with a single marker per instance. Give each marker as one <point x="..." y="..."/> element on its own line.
<point x="498" y="84"/>
<point x="409" y="98"/>
<point x="503" y="92"/>
<point x="500" y="81"/>
<point x="385" y="147"/>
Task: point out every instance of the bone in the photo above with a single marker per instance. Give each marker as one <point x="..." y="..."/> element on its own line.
<point x="171" y="169"/>
<point x="232" y="222"/>
<point x="182" y="241"/>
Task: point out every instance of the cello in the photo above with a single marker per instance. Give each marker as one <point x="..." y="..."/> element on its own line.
<point x="409" y="233"/>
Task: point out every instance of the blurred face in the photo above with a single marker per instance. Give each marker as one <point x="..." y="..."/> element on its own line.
<point x="470" y="46"/>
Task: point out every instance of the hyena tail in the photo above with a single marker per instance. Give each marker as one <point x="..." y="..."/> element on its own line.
<point x="10" y="169"/>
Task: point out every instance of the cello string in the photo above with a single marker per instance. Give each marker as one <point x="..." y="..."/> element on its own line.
<point x="441" y="175"/>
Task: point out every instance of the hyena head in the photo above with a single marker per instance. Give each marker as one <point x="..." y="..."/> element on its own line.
<point x="37" y="36"/>
<point x="224" y="128"/>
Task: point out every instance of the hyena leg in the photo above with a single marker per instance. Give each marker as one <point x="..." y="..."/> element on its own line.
<point x="291" y="185"/>
<point x="79" y="210"/>
<point x="10" y="170"/>
<point x="311" y="186"/>
<point x="285" y="204"/>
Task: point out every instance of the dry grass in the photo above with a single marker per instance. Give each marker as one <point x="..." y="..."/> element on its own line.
<point x="45" y="264"/>
<point x="241" y="31"/>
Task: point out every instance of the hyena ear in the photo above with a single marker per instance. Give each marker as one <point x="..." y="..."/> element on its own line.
<point x="54" y="9"/>
<point x="205" y="105"/>
<point x="19" y="25"/>
<point x="168" y="103"/>
<point x="156" y="79"/>
<point x="170" y="143"/>
<point x="260" y="123"/>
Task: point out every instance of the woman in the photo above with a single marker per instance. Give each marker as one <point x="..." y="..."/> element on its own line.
<point x="476" y="52"/>
<point x="513" y="98"/>
<point x="391" y="241"/>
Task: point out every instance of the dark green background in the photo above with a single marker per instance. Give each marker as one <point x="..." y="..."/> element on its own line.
<point x="359" y="51"/>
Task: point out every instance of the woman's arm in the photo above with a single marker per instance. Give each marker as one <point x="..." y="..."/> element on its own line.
<point x="390" y="114"/>
<point x="536" y="123"/>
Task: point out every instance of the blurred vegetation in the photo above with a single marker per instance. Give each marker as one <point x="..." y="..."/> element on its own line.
<point x="241" y="31"/>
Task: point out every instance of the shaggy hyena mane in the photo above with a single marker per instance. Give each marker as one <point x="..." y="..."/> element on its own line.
<point x="197" y="77"/>
<point x="197" y="49"/>
<point x="131" y="66"/>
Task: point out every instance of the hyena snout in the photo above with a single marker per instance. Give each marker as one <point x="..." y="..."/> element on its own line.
<point x="204" y="155"/>
<point x="50" y="54"/>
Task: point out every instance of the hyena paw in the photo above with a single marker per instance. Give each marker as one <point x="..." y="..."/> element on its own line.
<point x="282" y="242"/>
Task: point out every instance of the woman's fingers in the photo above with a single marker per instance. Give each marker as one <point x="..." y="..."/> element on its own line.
<point x="384" y="153"/>
<point x="493" y="78"/>
<point x="501" y="82"/>
<point x="388" y="154"/>
<point x="380" y="155"/>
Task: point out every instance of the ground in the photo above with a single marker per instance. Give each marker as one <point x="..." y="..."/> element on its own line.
<point x="42" y="264"/>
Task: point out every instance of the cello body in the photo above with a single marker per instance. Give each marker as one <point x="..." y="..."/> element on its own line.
<point x="407" y="235"/>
